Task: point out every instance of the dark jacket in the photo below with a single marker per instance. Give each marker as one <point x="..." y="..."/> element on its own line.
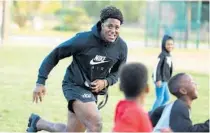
<point x="176" y="115"/>
<point x="164" y="67"/>
<point x="93" y="59"/>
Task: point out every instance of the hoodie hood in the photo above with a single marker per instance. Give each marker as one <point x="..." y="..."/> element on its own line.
<point x="121" y="108"/>
<point x="96" y="32"/>
<point x="163" y="46"/>
<point x="131" y="117"/>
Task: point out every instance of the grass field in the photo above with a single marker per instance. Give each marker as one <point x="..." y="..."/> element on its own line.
<point x="18" y="73"/>
<point x="128" y="33"/>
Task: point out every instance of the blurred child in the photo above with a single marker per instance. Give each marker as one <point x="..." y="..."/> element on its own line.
<point x="176" y="115"/>
<point x="130" y="115"/>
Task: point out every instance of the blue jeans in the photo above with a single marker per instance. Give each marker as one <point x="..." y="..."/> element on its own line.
<point x="162" y="95"/>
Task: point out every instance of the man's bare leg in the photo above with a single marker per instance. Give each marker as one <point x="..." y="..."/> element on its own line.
<point x="50" y="127"/>
<point x="88" y="114"/>
<point x="73" y="125"/>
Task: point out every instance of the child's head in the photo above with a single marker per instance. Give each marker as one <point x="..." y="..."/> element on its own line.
<point x="167" y="43"/>
<point x="182" y="85"/>
<point x="134" y="80"/>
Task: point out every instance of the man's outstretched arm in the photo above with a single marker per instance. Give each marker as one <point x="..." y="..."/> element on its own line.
<point x="65" y="49"/>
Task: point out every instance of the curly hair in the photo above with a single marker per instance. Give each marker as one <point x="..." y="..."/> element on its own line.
<point x="133" y="79"/>
<point x="111" y="12"/>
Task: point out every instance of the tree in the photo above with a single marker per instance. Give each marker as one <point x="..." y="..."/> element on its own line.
<point x="22" y="10"/>
<point x="49" y="7"/>
<point x="72" y="19"/>
<point x="98" y="5"/>
<point x="130" y="9"/>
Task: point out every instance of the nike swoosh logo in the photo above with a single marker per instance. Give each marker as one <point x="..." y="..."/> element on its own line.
<point x="92" y="62"/>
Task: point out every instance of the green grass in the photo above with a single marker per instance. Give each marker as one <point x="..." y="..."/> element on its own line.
<point x="19" y="66"/>
<point x="127" y="33"/>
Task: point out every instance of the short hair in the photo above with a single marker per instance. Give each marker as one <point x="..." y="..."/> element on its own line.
<point x="175" y="83"/>
<point x="111" y="12"/>
<point x="133" y="79"/>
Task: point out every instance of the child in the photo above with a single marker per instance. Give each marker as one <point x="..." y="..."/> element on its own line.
<point x="176" y="115"/>
<point x="129" y="114"/>
<point x="163" y="72"/>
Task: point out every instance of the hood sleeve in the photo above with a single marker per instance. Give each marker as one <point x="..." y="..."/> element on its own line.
<point x="65" y="49"/>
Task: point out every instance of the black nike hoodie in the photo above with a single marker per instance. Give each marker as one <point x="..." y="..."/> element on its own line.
<point x="93" y="58"/>
<point x="164" y="68"/>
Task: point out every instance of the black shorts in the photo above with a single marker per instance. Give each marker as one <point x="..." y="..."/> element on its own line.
<point x="72" y="93"/>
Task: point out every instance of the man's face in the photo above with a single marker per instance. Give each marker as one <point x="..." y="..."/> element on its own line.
<point x="110" y="29"/>
<point x="169" y="45"/>
<point x="192" y="88"/>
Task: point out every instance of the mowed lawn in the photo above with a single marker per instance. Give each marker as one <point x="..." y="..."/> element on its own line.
<point x="18" y="74"/>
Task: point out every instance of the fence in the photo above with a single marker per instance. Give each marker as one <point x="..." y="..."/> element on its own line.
<point x="187" y="22"/>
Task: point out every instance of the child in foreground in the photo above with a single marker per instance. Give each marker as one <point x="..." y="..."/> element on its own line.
<point x="130" y="115"/>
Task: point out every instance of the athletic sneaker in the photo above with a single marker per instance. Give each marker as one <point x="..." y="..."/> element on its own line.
<point x="33" y="119"/>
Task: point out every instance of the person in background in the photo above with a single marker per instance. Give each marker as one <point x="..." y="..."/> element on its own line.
<point x="163" y="72"/>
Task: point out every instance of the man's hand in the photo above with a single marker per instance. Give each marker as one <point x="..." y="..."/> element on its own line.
<point x="98" y="85"/>
<point x="159" y="83"/>
<point x="38" y="93"/>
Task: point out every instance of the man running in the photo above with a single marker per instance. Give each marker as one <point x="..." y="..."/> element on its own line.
<point x="97" y="56"/>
